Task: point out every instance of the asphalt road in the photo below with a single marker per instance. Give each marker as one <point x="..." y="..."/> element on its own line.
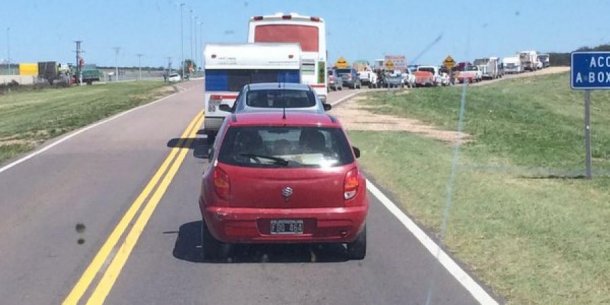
<point x="60" y="207"/>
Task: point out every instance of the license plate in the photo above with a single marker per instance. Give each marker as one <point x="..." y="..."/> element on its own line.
<point x="286" y="227"/>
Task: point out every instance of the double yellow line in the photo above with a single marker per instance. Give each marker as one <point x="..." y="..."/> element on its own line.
<point x="161" y="181"/>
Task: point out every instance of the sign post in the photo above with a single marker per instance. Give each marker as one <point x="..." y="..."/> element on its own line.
<point x="449" y="63"/>
<point x="589" y="71"/>
<point x="588" y="134"/>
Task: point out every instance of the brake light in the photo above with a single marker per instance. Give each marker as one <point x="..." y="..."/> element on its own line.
<point x="222" y="184"/>
<point x="351" y="184"/>
<point x="257" y="18"/>
<point x="286" y="17"/>
<point x="317" y="19"/>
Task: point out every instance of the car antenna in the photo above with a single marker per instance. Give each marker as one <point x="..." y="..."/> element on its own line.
<point x="284" y="111"/>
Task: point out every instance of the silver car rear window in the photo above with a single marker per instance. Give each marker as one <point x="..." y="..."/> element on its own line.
<point x="280" y="98"/>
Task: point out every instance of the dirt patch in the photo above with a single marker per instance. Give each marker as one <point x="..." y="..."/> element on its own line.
<point x="356" y="116"/>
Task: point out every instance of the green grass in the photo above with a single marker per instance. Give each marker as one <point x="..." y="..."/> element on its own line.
<point x="30" y="117"/>
<point x="534" y="122"/>
<point x="534" y="240"/>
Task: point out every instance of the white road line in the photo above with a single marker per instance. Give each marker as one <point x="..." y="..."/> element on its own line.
<point x="456" y="271"/>
<point x="347" y="97"/>
<point x="77" y="132"/>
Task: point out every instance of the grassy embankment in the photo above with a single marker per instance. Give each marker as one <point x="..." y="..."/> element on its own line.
<point x="28" y="117"/>
<point x="520" y="217"/>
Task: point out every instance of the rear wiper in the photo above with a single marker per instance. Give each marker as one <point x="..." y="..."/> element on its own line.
<point x="277" y="161"/>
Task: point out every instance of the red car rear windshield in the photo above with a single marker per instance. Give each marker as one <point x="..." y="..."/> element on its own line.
<point x="271" y="146"/>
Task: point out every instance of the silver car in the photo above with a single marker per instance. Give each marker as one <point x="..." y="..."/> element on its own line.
<point x="276" y="97"/>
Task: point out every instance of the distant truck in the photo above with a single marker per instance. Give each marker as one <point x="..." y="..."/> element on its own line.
<point x="90" y="74"/>
<point x="528" y="60"/>
<point x="512" y="64"/>
<point x="47" y="70"/>
<point x="489" y="67"/>
<point x="471" y="74"/>
<point x="545" y="60"/>
<point x="434" y="79"/>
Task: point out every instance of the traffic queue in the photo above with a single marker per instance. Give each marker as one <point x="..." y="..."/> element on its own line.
<point x="393" y="72"/>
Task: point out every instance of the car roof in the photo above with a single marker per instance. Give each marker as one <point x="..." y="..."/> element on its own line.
<point x="266" y="86"/>
<point x="276" y="118"/>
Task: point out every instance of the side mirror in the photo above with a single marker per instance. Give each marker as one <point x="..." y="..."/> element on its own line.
<point x="327" y="107"/>
<point x="202" y="151"/>
<point x="356" y="151"/>
<point x="224" y="107"/>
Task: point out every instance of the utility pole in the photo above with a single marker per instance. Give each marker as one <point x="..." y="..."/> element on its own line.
<point x="191" y="27"/>
<point x="195" y="59"/>
<point x="116" y="63"/>
<point x="169" y="68"/>
<point x="182" y="39"/>
<point x="8" y="49"/>
<point x="139" y="66"/>
<point x="201" y="43"/>
<point x="79" y="72"/>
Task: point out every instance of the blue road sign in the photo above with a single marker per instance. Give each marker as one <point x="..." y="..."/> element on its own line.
<point x="590" y="70"/>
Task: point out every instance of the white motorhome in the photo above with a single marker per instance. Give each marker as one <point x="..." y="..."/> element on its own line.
<point x="228" y="67"/>
<point x="512" y="64"/>
<point x="309" y="32"/>
<point x="529" y="60"/>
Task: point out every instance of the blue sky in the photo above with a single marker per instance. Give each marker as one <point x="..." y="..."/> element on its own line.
<point x="43" y="30"/>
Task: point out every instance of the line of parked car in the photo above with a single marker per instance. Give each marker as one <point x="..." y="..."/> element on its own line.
<point x="435" y="76"/>
<point x="422" y="76"/>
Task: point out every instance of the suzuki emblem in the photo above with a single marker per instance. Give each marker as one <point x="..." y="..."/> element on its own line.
<point x="286" y="192"/>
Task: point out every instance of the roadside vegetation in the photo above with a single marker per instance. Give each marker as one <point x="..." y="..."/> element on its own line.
<point x="30" y="116"/>
<point x="522" y="218"/>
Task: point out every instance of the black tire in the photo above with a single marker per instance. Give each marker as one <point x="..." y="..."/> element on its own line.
<point x="212" y="249"/>
<point x="357" y="249"/>
<point x="210" y="139"/>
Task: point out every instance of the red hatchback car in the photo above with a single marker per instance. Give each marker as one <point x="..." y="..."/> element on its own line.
<point x="283" y="178"/>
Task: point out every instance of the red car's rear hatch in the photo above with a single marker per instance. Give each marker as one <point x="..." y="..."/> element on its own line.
<point x="286" y="187"/>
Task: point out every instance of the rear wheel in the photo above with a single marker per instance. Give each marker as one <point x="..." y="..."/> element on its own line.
<point x="212" y="248"/>
<point x="210" y="139"/>
<point x="357" y="249"/>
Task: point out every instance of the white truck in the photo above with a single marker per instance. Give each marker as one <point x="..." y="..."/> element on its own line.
<point x="368" y="78"/>
<point x="529" y="60"/>
<point x="544" y="59"/>
<point x="512" y="64"/>
<point x="489" y="67"/>
<point x="408" y="78"/>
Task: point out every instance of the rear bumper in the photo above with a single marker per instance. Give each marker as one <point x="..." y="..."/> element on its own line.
<point x="248" y="225"/>
<point x="212" y="124"/>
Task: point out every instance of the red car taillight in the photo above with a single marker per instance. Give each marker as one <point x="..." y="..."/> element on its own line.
<point x="222" y="184"/>
<point x="351" y="184"/>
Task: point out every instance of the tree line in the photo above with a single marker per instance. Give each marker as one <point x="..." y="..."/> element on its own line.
<point x="563" y="59"/>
